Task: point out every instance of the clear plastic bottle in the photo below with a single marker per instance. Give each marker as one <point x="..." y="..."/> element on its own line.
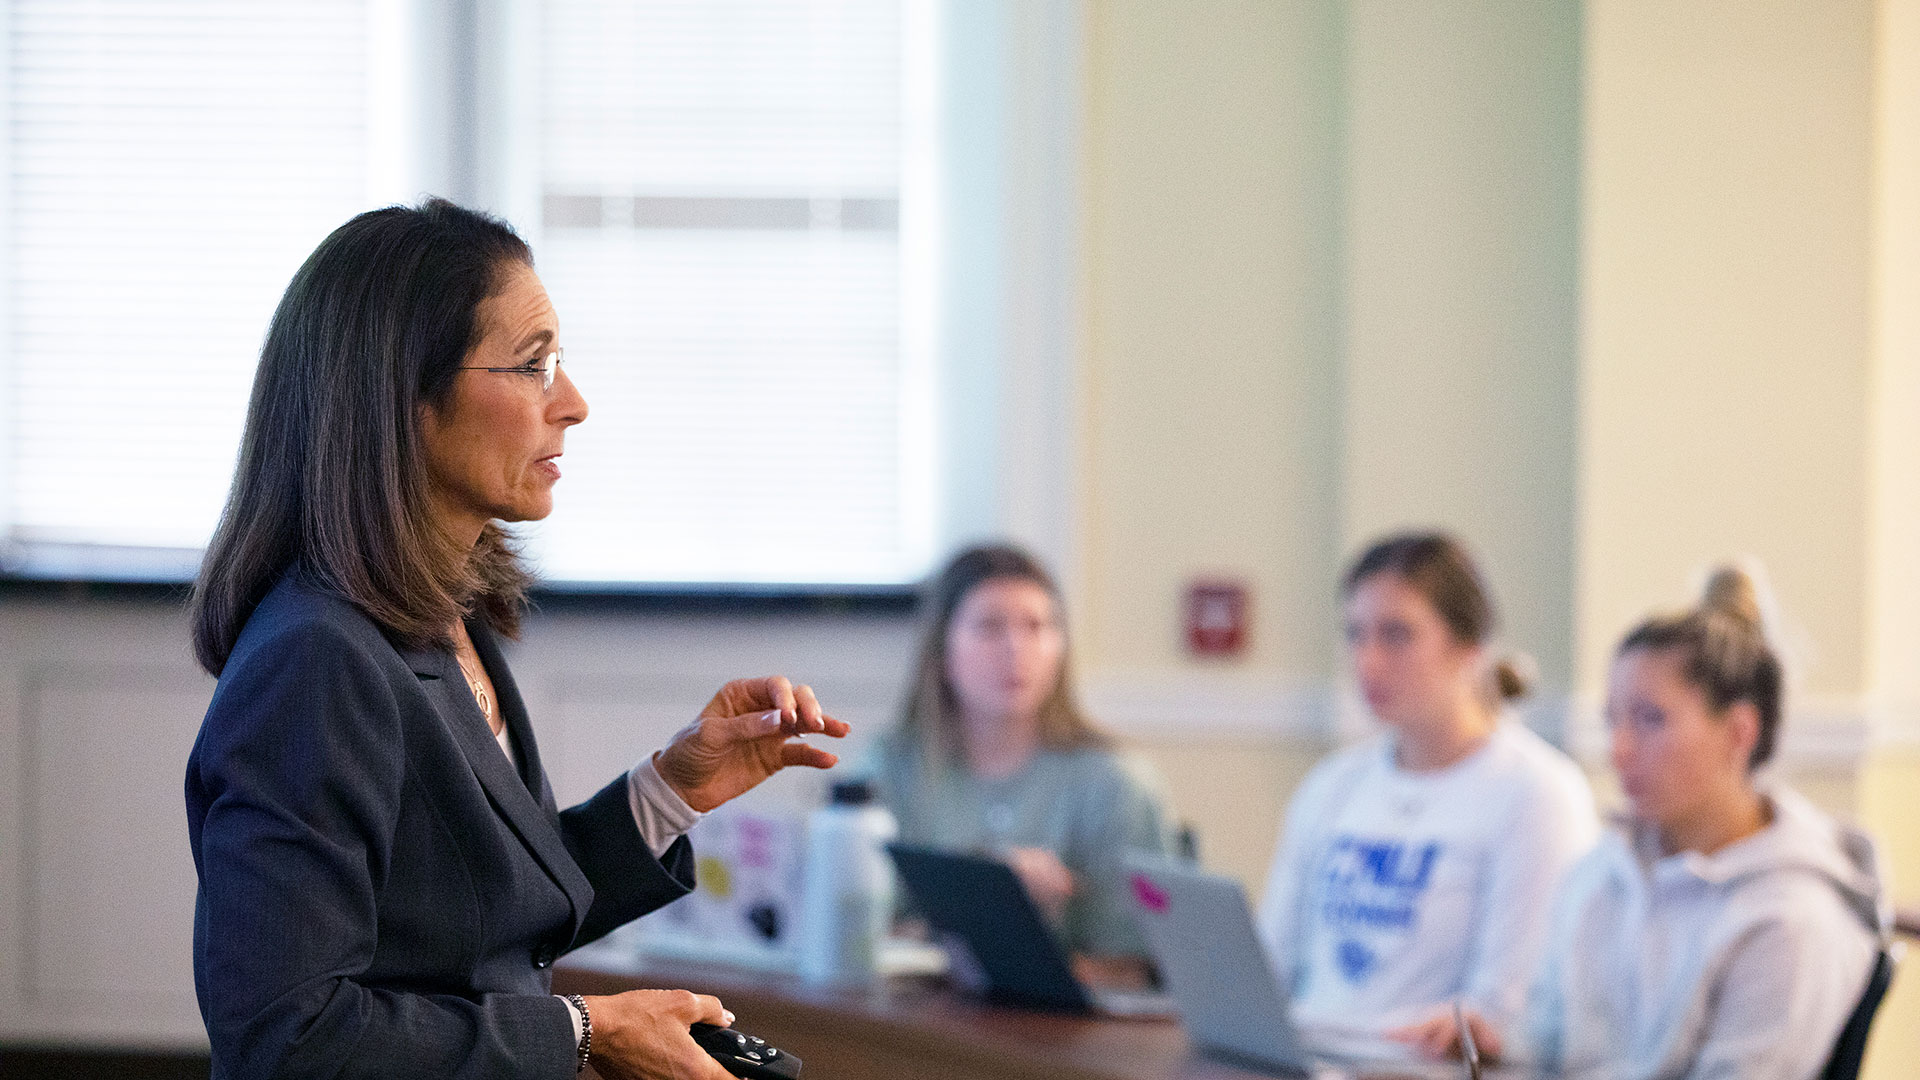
<point x="846" y="901"/>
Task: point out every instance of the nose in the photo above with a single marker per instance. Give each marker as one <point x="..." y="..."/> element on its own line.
<point x="568" y="406"/>
<point x="1366" y="659"/>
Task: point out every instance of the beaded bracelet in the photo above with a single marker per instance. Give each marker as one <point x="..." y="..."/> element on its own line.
<point x="586" y="1031"/>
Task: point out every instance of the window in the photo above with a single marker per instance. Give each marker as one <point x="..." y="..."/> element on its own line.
<point x="716" y="198"/>
<point x="720" y="207"/>
<point x="171" y="162"/>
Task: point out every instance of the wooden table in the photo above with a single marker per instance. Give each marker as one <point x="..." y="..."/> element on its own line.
<point x="916" y="1028"/>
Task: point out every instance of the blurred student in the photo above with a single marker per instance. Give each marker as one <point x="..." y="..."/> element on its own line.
<point x="1728" y="928"/>
<point x="992" y="754"/>
<point x="1418" y="868"/>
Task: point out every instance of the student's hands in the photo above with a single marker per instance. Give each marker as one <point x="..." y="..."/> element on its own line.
<point x="742" y="737"/>
<point x="1439" y="1037"/>
<point x="643" y="1035"/>
<point x="1112" y="972"/>
<point x="1047" y="879"/>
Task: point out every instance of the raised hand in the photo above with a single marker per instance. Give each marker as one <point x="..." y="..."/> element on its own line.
<point x="749" y="731"/>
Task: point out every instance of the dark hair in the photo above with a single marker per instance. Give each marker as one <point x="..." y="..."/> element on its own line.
<point x="930" y="719"/>
<point x="1723" y="652"/>
<point x="330" y="479"/>
<point x="1439" y="568"/>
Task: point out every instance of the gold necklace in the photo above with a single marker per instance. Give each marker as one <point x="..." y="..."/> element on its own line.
<point x="479" y="689"/>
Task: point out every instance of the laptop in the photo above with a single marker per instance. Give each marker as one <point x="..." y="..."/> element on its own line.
<point x="1200" y="930"/>
<point x="981" y="902"/>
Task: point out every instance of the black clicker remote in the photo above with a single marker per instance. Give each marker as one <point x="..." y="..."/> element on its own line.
<point x="743" y="1055"/>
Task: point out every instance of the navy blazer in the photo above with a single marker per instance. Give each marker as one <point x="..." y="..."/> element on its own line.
<point x="380" y="894"/>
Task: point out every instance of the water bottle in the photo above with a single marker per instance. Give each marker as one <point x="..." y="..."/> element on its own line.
<point x="846" y="900"/>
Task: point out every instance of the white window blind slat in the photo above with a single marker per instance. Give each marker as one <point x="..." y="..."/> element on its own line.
<point x="720" y="186"/>
<point x="171" y="163"/>
<point x="721" y="181"/>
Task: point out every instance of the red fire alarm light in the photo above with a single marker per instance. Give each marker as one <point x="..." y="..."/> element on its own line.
<point x="1216" y="618"/>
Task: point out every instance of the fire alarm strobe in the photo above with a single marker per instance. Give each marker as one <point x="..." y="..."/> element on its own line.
<point x="1216" y="617"/>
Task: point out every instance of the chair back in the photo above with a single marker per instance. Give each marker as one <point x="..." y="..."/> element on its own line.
<point x="1852" y="1047"/>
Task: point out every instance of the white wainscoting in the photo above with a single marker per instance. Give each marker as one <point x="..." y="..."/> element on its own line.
<point x="99" y="705"/>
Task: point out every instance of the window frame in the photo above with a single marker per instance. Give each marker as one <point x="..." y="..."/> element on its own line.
<point x="999" y="308"/>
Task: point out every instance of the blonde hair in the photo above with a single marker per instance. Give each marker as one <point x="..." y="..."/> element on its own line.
<point x="1723" y="650"/>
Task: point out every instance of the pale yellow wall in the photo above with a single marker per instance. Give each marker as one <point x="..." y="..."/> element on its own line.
<point x="1890" y="807"/>
<point x="1725" y="337"/>
<point x="1210" y="326"/>
<point x="1461" y="182"/>
<point x="1894" y="601"/>
<point x="1234" y="791"/>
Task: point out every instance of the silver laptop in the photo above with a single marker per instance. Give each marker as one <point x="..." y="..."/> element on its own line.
<point x="1200" y="930"/>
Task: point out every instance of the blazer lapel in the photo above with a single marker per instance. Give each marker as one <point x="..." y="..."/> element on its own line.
<point x="531" y="818"/>
<point x="514" y="712"/>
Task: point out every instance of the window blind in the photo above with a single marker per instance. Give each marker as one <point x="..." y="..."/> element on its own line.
<point x="718" y="222"/>
<point x="720" y="208"/>
<point x="171" y="162"/>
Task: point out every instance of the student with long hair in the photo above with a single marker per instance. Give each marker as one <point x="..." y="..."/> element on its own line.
<point x="1727" y="928"/>
<point x="1417" y="868"/>
<point x="993" y="754"/>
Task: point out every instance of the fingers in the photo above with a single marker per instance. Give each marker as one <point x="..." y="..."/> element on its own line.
<point x="797" y="705"/>
<point x="807" y="715"/>
<point x="779" y="693"/>
<point x="799" y="753"/>
<point x="706" y="1009"/>
<point x="1432" y="1038"/>
<point x="760" y="725"/>
<point x="1045" y="877"/>
<point x="1485" y="1038"/>
<point x="751" y="726"/>
<point x="809" y="720"/>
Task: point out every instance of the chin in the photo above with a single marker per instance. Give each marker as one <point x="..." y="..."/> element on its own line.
<point x="1647" y="812"/>
<point x="529" y="510"/>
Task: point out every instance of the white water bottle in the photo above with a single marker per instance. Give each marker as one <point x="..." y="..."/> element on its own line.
<point x="846" y="901"/>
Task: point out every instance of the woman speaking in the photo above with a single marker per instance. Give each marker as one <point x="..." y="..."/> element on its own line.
<point x="385" y="880"/>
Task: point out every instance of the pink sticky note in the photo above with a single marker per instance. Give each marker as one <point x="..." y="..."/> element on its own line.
<point x="1148" y="895"/>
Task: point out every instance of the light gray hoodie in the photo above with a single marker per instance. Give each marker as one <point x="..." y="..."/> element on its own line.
<point x="1741" y="964"/>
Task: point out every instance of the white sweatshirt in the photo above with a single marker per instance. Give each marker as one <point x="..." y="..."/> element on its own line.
<point x="1741" y="964"/>
<point x="1393" y="893"/>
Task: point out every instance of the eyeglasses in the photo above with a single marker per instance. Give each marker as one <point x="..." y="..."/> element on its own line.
<point x="543" y="368"/>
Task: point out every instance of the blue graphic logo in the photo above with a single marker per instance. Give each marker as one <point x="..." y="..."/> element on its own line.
<point x="1356" y="960"/>
<point x="1370" y="888"/>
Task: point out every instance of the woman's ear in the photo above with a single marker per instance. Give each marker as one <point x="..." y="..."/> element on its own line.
<point x="426" y="419"/>
<point x="1742" y="720"/>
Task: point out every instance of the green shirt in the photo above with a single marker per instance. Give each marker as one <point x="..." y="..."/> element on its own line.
<point x="1086" y="806"/>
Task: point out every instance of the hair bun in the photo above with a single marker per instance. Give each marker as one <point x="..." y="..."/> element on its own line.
<point x="1513" y="676"/>
<point x="1732" y="591"/>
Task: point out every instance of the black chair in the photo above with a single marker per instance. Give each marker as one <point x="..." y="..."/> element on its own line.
<point x="1845" y="1062"/>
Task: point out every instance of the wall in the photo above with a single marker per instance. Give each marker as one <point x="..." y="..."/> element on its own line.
<point x="1210" y="327"/>
<point x="1680" y="240"/>
<point x="1461" y="182"/>
<point x="1726" y="289"/>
